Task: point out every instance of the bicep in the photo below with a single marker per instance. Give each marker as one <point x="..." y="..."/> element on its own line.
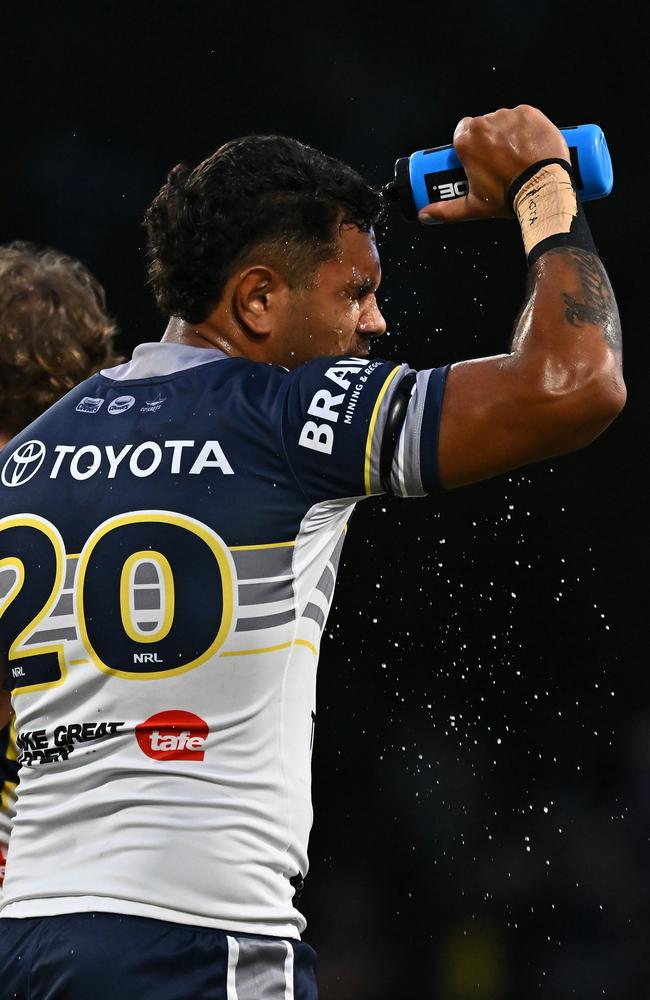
<point x="498" y="415"/>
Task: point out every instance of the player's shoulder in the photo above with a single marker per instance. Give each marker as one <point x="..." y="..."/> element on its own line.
<point x="338" y="368"/>
<point x="340" y="378"/>
<point x="268" y="385"/>
<point x="340" y="383"/>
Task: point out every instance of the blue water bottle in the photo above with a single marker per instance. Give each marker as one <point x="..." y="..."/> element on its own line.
<point x="432" y="175"/>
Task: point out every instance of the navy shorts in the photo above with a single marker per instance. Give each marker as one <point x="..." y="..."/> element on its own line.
<point x="107" y="956"/>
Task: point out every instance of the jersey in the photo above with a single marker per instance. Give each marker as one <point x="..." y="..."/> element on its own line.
<point x="169" y="542"/>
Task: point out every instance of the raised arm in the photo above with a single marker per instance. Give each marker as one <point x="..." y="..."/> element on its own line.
<point x="561" y="384"/>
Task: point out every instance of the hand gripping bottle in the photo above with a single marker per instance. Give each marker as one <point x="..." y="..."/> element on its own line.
<point x="432" y="175"/>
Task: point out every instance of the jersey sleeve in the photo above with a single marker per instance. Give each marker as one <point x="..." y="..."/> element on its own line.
<point x="337" y="415"/>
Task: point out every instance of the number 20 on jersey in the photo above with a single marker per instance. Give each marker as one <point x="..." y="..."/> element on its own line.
<point x="149" y="596"/>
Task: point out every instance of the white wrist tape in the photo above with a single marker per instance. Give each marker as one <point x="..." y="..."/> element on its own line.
<point x="545" y="205"/>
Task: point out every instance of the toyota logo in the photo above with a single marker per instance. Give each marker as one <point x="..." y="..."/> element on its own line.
<point x="24" y="463"/>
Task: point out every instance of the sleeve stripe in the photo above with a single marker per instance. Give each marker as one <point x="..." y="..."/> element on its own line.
<point x="371" y="428"/>
<point x="406" y="475"/>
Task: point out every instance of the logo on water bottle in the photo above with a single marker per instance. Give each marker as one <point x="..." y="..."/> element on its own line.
<point x="448" y="184"/>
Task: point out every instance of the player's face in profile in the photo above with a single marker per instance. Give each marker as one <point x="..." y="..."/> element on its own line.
<point x="338" y="312"/>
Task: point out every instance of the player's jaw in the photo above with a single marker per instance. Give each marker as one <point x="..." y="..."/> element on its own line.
<point x="323" y="329"/>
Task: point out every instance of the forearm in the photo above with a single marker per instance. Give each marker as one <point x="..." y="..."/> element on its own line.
<point x="569" y="333"/>
<point x="566" y="348"/>
<point x="570" y="324"/>
<point x="561" y="384"/>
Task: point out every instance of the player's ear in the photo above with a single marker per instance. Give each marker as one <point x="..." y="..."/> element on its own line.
<point x="258" y="295"/>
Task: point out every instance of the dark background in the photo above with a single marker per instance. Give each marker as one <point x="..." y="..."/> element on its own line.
<point x="482" y="760"/>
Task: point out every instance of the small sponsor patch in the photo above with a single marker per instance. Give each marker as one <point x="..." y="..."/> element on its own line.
<point x="121" y="404"/>
<point x="89" y="405"/>
<point x="153" y="405"/>
<point x="173" y="735"/>
<point x="37" y="746"/>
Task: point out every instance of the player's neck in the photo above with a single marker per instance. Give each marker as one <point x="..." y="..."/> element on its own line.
<point x="180" y="332"/>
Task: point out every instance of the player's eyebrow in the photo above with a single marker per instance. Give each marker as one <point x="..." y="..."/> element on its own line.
<point x="363" y="286"/>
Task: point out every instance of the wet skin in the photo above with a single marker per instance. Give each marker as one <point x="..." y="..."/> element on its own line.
<point x="261" y="317"/>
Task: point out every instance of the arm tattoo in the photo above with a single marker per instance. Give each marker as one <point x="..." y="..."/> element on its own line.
<point x="599" y="307"/>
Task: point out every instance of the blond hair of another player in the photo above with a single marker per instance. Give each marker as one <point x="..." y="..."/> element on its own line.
<point x="54" y="331"/>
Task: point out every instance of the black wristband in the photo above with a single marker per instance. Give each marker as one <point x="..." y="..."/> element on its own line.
<point x="578" y="236"/>
<point x="393" y="428"/>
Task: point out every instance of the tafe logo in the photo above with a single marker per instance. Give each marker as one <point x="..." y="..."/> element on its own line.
<point x="120" y="404"/>
<point x="23" y="463"/>
<point x="173" y="735"/>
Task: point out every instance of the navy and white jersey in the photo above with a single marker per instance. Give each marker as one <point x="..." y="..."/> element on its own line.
<point x="169" y="539"/>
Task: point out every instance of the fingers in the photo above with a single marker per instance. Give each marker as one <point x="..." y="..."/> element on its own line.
<point x="494" y="149"/>
<point x="462" y="128"/>
<point x="446" y="211"/>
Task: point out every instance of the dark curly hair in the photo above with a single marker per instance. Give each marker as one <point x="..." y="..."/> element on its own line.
<point x="259" y="192"/>
<point x="54" y="331"/>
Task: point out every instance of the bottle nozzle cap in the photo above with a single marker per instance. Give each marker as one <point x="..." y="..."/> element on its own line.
<point x="399" y="190"/>
<point x="390" y="191"/>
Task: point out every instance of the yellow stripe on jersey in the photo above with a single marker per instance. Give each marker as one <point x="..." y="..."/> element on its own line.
<point x="269" y="545"/>
<point x="272" y="649"/>
<point x="371" y="429"/>
<point x="7" y="796"/>
<point x="12" y="752"/>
